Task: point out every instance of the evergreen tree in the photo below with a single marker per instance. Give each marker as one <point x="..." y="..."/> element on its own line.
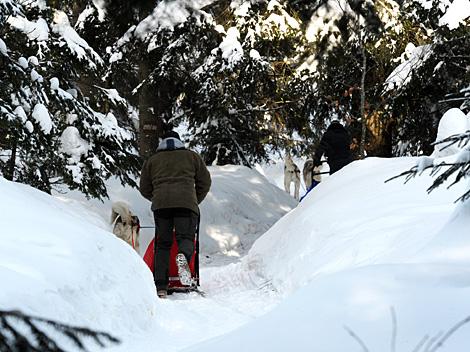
<point x="25" y="333"/>
<point x="437" y="71"/>
<point x="227" y="80"/>
<point x="51" y="133"/>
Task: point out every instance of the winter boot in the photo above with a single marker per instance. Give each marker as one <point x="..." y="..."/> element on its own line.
<point x="162" y="293"/>
<point x="183" y="270"/>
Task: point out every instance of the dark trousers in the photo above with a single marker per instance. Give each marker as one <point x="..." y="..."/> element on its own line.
<point x="338" y="164"/>
<point x="184" y="221"/>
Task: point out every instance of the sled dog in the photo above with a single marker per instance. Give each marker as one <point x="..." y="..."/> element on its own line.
<point x="310" y="170"/>
<point x="125" y="224"/>
<point x="291" y="174"/>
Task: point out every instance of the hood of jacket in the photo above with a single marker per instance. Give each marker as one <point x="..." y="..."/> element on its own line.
<point x="170" y="143"/>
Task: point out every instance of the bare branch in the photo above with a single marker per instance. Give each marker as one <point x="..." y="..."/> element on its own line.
<point x="357" y="338"/>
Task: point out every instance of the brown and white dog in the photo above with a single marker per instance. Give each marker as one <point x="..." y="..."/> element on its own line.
<point x="291" y="174"/>
<point x="126" y="225"/>
<point x="310" y="170"/>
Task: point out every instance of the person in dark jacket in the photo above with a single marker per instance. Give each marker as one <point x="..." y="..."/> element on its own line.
<point x="176" y="181"/>
<point x="335" y="145"/>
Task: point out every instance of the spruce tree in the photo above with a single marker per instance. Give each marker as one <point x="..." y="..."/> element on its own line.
<point x="52" y="133"/>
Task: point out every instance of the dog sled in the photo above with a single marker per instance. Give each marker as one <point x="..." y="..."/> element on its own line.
<point x="174" y="284"/>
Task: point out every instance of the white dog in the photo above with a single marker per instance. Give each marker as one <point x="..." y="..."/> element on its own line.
<point x="291" y="174"/>
<point x="310" y="170"/>
<point x="126" y="225"/>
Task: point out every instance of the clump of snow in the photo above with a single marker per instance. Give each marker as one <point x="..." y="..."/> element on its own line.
<point x="35" y="76"/>
<point x="38" y="30"/>
<point x="411" y="59"/>
<point x="54" y="83"/>
<point x="115" y="57"/>
<point x="73" y="144"/>
<point x="29" y="126"/>
<point x="3" y="48"/>
<point x="231" y="48"/>
<point x="108" y="126"/>
<point x="23" y="62"/>
<point x="113" y="95"/>
<point x="324" y="20"/>
<point x="100" y="6"/>
<point x="456" y="14"/>
<point x="77" y="45"/>
<point x="283" y="22"/>
<point x="168" y="14"/>
<point x="19" y="111"/>
<point x="453" y="122"/>
<point x="424" y="162"/>
<point x="73" y="92"/>
<point x="42" y="117"/>
<point x="87" y="12"/>
<point x="254" y="54"/>
<point x="241" y="8"/>
<point x="33" y="60"/>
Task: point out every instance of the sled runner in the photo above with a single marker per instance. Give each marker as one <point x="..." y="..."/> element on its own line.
<point x="174" y="284"/>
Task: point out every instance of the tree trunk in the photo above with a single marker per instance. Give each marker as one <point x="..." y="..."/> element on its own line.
<point x="12" y="161"/>
<point x="363" y="102"/>
<point x="150" y="124"/>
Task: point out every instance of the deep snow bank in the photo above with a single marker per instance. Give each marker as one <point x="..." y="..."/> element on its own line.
<point x="239" y="208"/>
<point x="54" y="263"/>
<point x="352" y="250"/>
<point x="354" y="219"/>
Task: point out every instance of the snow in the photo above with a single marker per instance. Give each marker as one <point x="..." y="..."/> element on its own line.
<point x="356" y="254"/>
<point x="77" y="45"/>
<point x="234" y="220"/>
<point x="73" y="144"/>
<point x="168" y="14"/>
<point x="50" y="263"/>
<point x="241" y="9"/>
<point x="455" y="11"/>
<point x="42" y="117"/>
<point x="115" y="57"/>
<point x="453" y="122"/>
<point x="35" y="76"/>
<point x="23" y="62"/>
<point x="456" y="14"/>
<point x="87" y="12"/>
<point x="33" y="60"/>
<point x="29" y="126"/>
<point x="19" y="111"/>
<point x="113" y="95"/>
<point x="108" y="126"/>
<point x="411" y="59"/>
<point x="54" y="83"/>
<point x="283" y="22"/>
<point x="100" y="6"/>
<point x="3" y="48"/>
<point x="35" y="30"/>
<point x="231" y="48"/>
<point x="254" y="54"/>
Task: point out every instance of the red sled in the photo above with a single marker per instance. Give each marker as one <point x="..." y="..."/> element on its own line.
<point x="174" y="283"/>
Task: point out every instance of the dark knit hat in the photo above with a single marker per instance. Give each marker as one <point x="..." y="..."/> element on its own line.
<point x="171" y="134"/>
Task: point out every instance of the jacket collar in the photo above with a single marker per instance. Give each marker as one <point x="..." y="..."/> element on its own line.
<point x="170" y="144"/>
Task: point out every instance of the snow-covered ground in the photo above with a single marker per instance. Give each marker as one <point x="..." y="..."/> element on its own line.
<point x="357" y="259"/>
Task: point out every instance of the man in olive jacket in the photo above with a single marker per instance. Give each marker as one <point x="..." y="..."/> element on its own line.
<point x="175" y="180"/>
